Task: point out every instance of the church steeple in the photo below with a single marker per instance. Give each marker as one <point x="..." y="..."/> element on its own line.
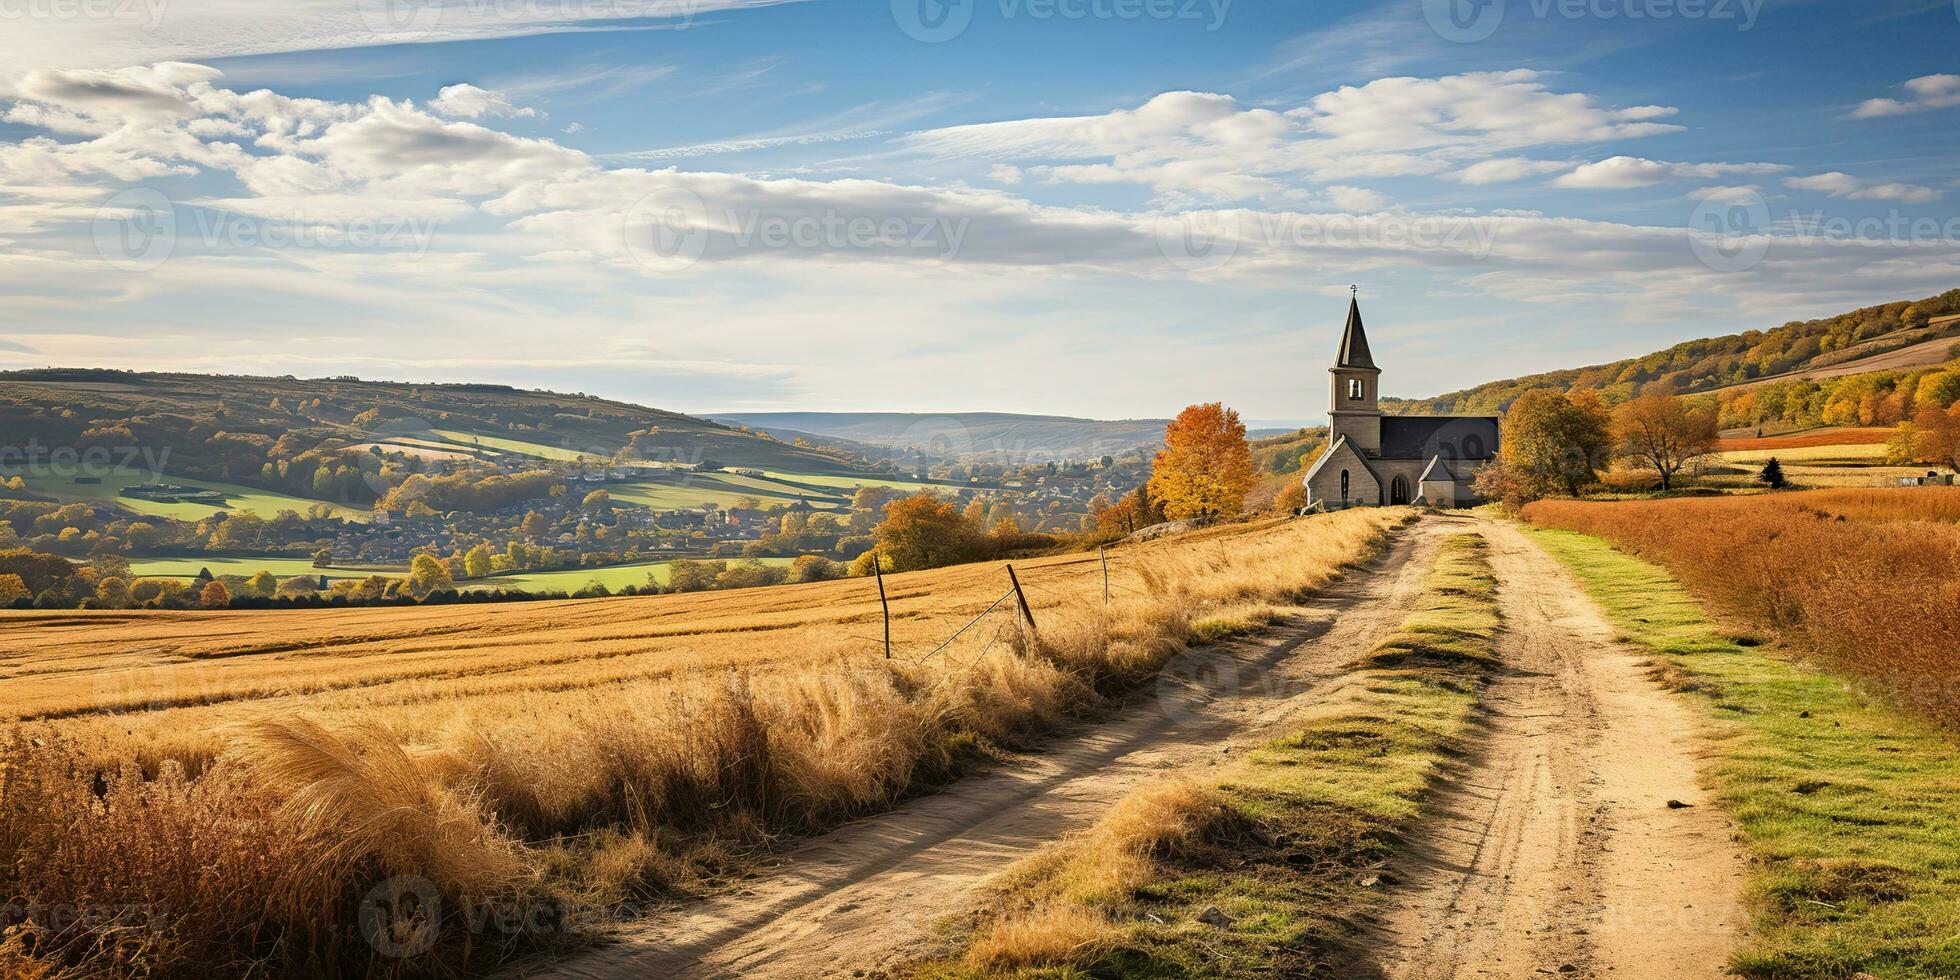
<point x="1354" y="340"/>
<point x="1355" y="410"/>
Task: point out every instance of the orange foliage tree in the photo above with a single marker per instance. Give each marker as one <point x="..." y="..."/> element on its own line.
<point x="926" y="530"/>
<point x="1933" y="436"/>
<point x="1205" y="468"/>
<point x="1664" y="434"/>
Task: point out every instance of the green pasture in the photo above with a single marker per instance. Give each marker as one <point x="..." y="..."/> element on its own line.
<point x="42" y="479"/>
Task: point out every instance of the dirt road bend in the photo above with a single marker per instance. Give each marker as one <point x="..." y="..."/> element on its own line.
<point x="868" y="895"/>
<point x="1555" y="851"/>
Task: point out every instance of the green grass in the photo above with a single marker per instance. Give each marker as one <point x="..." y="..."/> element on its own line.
<point x="571" y="580"/>
<point x="519" y="446"/>
<point x="264" y="503"/>
<point x="1849" y="808"/>
<point x="1295" y="832"/>
<point x="282" y="567"/>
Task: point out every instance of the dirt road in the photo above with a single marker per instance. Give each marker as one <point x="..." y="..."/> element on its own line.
<point x="1552" y="851"/>
<point x="868" y="895"/>
<point x="1555" y="851"/>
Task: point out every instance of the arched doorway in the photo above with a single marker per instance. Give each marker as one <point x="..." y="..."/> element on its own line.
<point x="1398" y="491"/>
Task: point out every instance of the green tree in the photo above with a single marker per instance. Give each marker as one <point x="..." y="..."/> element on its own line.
<point x="264" y="583"/>
<point x="1772" y="475"/>
<point x="1556" y="443"/>
<point x="478" y="562"/>
<point x="113" y="593"/>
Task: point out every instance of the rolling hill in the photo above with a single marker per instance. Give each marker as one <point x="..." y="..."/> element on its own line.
<point x="1897" y="335"/>
<point x="1023" y="438"/>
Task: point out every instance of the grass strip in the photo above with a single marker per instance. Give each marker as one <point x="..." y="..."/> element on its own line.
<point x="1265" y="871"/>
<point x="1849" y="807"/>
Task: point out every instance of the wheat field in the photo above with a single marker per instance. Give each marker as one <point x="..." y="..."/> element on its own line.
<point x="257" y="772"/>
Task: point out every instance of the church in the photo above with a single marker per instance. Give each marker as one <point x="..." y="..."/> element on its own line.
<point x="1373" y="459"/>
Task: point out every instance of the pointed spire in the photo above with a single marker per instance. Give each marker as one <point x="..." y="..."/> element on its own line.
<point x="1354" y="341"/>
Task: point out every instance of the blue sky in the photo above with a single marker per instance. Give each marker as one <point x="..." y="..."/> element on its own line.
<point x="1093" y="207"/>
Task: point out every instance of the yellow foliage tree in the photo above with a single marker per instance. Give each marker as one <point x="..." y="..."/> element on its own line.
<point x="1205" y="468"/>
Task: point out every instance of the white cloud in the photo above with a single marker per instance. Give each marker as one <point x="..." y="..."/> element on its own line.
<point x="1837" y="183"/>
<point x="1624" y="172"/>
<point x="470" y="102"/>
<point x="1356" y="198"/>
<point x="1504" y="170"/>
<point x="1209" y="143"/>
<point x="147" y="31"/>
<point x="1925" y="93"/>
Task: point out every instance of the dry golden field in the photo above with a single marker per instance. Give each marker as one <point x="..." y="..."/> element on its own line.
<point x="1868" y="579"/>
<point x="257" y="772"/>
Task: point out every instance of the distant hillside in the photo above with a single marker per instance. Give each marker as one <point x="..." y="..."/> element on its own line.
<point x="1027" y="438"/>
<point x="58" y="406"/>
<point x="1889" y="337"/>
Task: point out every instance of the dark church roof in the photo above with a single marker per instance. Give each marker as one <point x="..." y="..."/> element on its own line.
<point x="1449" y="436"/>
<point x="1354" y="341"/>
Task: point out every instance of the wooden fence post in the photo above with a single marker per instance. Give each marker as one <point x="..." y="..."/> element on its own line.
<point x="1104" y="553"/>
<point x="877" y="569"/>
<point x="1021" y="597"/>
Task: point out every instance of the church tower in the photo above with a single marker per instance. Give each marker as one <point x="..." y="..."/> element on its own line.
<point x="1356" y="412"/>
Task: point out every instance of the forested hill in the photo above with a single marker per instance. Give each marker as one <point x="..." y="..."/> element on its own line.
<point x="1835" y="345"/>
<point x="280" y="433"/>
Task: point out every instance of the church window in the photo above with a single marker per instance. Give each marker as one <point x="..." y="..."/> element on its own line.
<point x="1354" y="389"/>
<point x="1344" y="486"/>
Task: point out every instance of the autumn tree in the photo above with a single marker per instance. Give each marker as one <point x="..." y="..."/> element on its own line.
<point x="214" y="595"/>
<point x="113" y="593"/>
<point x="926" y="530"/>
<point x="1556" y="443"/>
<point x="12" y="590"/>
<point x="1933" y="436"/>
<point x="1205" y="467"/>
<point x="868" y="506"/>
<point x="426" y="574"/>
<point x="1291" y="497"/>
<point x="1663" y="433"/>
<point x="477" y="563"/>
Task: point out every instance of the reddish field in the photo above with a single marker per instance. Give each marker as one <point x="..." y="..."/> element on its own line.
<point x="1815" y="437"/>
<point x="1868" y="579"/>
